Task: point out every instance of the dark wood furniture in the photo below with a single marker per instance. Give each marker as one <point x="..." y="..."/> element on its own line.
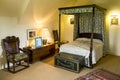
<point x="40" y="53"/>
<point x="56" y="38"/>
<point x="69" y="61"/>
<point x="87" y="19"/>
<point x="14" y="54"/>
<point x="57" y="42"/>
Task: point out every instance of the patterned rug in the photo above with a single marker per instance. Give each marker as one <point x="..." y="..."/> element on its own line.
<point x="99" y="74"/>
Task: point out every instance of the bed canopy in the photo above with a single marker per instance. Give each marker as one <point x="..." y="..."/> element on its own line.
<point x="88" y="22"/>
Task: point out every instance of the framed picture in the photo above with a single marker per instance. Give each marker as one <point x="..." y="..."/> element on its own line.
<point x="114" y="21"/>
<point x="72" y="20"/>
<point x="31" y="33"/>
<point x="38" y="42"/>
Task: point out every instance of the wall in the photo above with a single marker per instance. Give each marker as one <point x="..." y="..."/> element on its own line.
<point x="66" y="28"/>
<point x="114" y="32"/>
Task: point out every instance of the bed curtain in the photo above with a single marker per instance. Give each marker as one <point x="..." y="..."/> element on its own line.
<point x="83" y="22"/>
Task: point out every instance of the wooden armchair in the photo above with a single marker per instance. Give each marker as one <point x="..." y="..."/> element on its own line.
<point x="15" y="55"/>
<point x="56" y="38"/>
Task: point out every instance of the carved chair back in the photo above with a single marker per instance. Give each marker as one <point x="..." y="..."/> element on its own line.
<point x="11" y="44"/>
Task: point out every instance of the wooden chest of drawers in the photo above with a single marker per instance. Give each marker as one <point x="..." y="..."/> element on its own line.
<point x="40" y="53"/>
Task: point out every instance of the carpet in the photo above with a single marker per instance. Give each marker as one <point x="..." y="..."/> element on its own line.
<point x="99" y="74"/>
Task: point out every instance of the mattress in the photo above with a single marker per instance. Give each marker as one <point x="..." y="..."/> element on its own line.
<point x="81" y="46"/>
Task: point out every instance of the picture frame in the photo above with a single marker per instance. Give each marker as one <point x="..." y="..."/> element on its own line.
<point x="38" y="42"/>
<point x="72" y="20"/>
<point x="31" y="33"/>
<point x="114" y="21"/>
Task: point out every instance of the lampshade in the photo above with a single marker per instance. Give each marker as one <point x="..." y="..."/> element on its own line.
<point x="45" y="33"/>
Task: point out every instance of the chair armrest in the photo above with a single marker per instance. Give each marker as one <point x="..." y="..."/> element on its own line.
<point x="24" y="50"/>
<point x="21" y="49"/>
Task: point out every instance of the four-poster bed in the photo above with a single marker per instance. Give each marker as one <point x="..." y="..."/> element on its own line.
<point x="88" y="24"/>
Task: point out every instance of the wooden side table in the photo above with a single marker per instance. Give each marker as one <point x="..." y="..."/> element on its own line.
<point x="40" y="53"/>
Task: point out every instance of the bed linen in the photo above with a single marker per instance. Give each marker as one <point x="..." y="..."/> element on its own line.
<point x="81" y="46"/>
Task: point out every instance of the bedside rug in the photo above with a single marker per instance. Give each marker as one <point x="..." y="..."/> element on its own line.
<point x="99" y="74"/>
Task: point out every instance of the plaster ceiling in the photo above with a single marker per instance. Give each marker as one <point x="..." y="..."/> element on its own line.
<point x="10" y="7"/>
<point x="18" y="7"/>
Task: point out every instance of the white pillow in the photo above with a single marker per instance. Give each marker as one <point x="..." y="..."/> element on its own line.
<point x="97" y="41"/>
<point x="89" y="39"/>
<point x="82" y="39"/>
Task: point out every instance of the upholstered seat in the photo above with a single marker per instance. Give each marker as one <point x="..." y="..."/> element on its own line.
<point x="17" y="57"/>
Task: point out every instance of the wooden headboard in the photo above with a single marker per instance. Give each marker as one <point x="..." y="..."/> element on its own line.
<point x="88" y="35"/>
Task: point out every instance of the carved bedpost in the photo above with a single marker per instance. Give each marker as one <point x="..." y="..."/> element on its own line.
<point x="59" y="29"/>
<point x="91" y="42"/>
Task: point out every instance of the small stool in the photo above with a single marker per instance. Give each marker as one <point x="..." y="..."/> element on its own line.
<point x="69" y="61"/>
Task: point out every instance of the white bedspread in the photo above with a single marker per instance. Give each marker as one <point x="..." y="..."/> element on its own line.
<point x="81" y="46"/>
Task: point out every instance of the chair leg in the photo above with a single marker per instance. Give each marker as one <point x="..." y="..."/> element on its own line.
<point x="13" y="66"/>
<point x="28" y="62"/>
<point x="8" y="66"/>
<point x="16" y="64"/>
<point x="19" y="62"/>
